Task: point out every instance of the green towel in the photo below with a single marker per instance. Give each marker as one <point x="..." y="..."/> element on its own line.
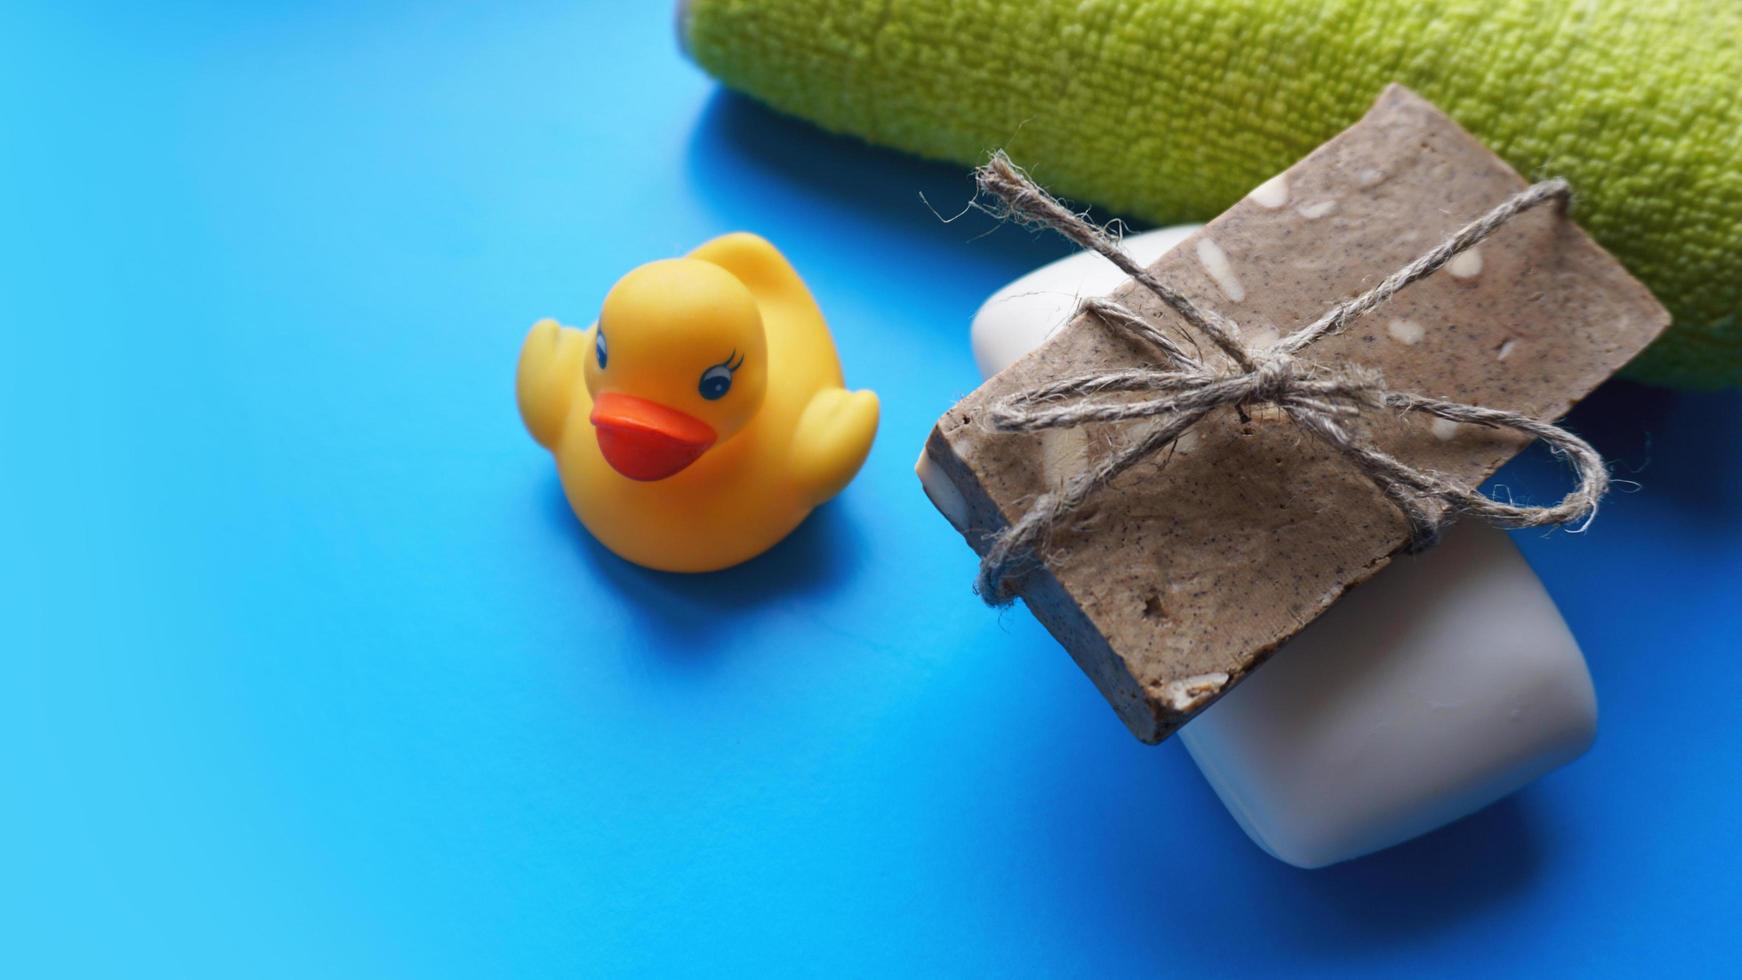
<point x="1170" y="110"/>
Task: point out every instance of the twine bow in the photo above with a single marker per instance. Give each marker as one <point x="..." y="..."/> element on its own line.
<point x="1317" y="397"/>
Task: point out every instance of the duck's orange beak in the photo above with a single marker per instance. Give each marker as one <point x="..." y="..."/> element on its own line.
<point x="644" y="440"/>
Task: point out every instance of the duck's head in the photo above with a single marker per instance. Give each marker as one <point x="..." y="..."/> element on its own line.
<point x="679" y="365"/>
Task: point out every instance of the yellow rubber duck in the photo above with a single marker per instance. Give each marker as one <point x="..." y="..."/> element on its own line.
<point x="704" y="415"/>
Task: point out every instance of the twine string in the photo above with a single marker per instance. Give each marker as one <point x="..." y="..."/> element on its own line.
<point x="1181" y="389"/>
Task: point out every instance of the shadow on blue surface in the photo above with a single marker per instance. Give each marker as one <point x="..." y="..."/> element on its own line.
<point x="816" y="558"/>
<point x="872" y="183"/>
<point x="1425" y="885"/>
<point x="1622" y="419"/>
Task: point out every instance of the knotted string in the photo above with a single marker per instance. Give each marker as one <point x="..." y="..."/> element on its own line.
<point x="1317" y="397"/>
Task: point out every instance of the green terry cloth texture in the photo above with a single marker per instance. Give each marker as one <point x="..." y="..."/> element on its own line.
<point x="1170" y="110"/>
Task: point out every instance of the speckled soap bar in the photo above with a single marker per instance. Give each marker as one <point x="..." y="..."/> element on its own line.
<point x="1184" y="575"/>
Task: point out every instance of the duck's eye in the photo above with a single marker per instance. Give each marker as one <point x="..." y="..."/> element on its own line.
<point x="716" y="381"/>
<point x="599" y="347"/>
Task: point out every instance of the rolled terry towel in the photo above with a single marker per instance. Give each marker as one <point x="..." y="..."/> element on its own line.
<point x="1170" y="110"/>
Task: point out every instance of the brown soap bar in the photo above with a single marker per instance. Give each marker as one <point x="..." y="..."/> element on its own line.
<point x="1176" y="581"/>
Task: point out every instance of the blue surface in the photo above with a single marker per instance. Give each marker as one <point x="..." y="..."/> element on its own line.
<point x="306" y="670"/>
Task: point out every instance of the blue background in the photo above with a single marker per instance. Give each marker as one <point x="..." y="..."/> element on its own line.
<point x="305" y="668"/>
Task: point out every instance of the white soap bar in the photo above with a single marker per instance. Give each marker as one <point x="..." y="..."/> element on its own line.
<point x="1445" y="683"/>
<point x="1019" y="317"/>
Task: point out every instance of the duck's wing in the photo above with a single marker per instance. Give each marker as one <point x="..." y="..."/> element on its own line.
<point x="549" y="378"/>
<point x="833" y="438"/>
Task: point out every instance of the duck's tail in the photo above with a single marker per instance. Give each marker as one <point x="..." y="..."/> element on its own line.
<point x="799" y="345"/>
<point x="551" y="360"/>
